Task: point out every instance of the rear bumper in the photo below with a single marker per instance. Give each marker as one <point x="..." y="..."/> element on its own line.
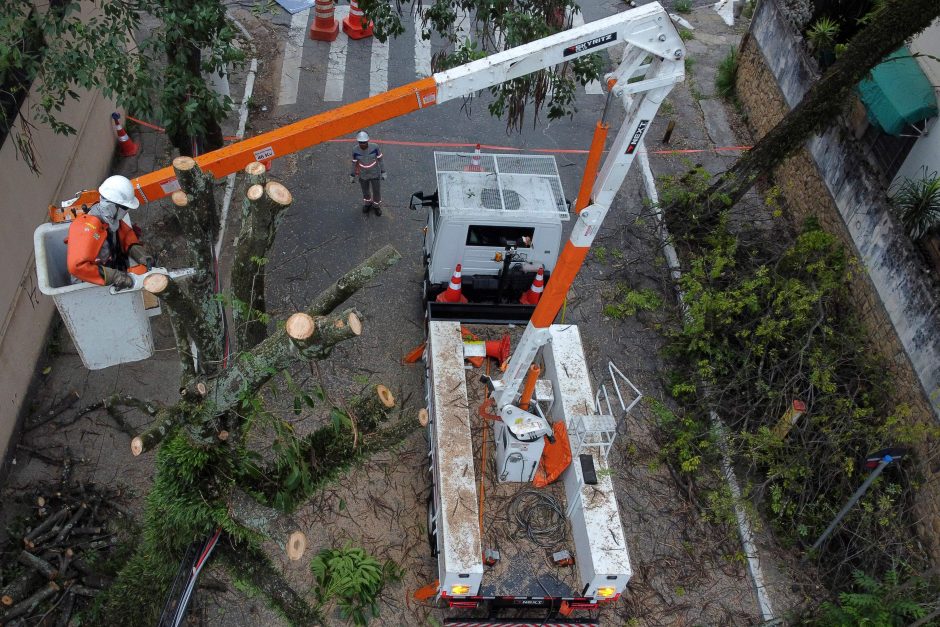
<point x="480" y="313"/>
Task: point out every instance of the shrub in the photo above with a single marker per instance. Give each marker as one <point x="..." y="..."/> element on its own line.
<point x="683" y="6"/>
<point x="354" y="579"/>
<point x="727" y="75"/>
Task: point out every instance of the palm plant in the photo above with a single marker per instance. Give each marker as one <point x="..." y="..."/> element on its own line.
<point x="917" y="204"/>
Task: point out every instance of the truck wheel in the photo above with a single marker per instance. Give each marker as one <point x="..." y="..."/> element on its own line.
<point x="432" y="525"/>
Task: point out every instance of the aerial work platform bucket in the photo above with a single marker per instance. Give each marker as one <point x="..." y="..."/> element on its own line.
<point x="107" y="329"/>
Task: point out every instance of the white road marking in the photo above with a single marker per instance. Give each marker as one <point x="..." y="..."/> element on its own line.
<point x="336" y="64"/>
<point x="422" y="51"/>
<point x="378" y="72"/>
<point x="594" y="87"/>
<point x="293" y="55"/>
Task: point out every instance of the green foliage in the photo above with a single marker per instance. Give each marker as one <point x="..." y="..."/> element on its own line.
<point x="682" y="6"/>
<point x="494" y="26"/>
<point x="627" y="302"/>
<point x="727" y="75"/>
<point x="916" y="202"/>
<point x="686" y="35"/>
<point x="354" y="579"/>
<point x="822" y="34"/>
<point x="67" y="51"/>
<point x="761" y="328"/>
<point x="882" y="603"/>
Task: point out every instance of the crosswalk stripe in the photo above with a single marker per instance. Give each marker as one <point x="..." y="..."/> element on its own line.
<point x="594" y="87"/>
<point x="293" y="55"/>
<point x="422" y="51"/>
<point x="378" y="72"/>
<point x="336" y="64"/>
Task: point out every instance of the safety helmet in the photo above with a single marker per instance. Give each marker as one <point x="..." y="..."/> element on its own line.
<point x="362" y="137"/>
<point x="120" y="191"/>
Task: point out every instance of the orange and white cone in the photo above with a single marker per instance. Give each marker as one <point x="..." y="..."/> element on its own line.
<point x="475" y="161"/>
<point x="324" y="27"/>
<point x="126" y="146"/>
<point x="532" y="296"/>
<point x="452" y="294"/>
<point x="353" y="25"/>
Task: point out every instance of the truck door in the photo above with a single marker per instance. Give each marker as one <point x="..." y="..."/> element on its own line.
<point x="484" y="241"/>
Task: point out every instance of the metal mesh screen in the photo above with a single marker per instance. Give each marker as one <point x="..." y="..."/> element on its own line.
<point x="502" y="183"/>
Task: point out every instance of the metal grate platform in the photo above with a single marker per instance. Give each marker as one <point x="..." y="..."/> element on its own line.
<point x="519" y="184"/>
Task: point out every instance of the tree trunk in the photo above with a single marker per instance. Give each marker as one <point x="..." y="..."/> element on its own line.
<point x="181" y="313"/>
<point x="268" y="522"/>
<point x="348" y="284"/>
<point x="251" y="566"/>
<point x="899" y="20"/>
<point x="195" y="209"/>
<point x="261" y="212"/>
<point x="246" y="376"/>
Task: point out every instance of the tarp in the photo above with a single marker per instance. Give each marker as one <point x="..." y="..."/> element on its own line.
<point x="897" y="93"/>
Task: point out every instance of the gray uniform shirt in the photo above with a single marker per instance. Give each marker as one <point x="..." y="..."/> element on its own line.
<point x="367" y="163"/>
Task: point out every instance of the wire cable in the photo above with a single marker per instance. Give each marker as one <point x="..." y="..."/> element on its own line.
<point x="540" y="516"/>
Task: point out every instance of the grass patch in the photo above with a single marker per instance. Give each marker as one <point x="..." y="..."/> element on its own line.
<point x="727" y="75"/>
<point x="682" y="6"/>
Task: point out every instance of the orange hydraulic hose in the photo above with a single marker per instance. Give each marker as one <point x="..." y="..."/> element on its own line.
<point x="283" y="140"/>
<point x="486" y="396"/>
<point x="529" y="389"/>
<point x="593" y="163"/>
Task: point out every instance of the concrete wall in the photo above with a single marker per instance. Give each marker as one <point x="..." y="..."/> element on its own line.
<point x="895" y="296"/>
<point x="68" y="164"/>
<point x="926" y="152"/>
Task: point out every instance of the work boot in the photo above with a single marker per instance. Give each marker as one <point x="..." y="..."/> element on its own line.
<point x="378" y="208"/>
<point x="366" y="205"/>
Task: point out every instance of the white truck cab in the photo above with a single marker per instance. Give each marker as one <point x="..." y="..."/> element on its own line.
<point x="499" y="216"/>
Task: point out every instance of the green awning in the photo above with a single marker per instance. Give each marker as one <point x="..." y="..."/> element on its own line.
<point x="897" y="93"/>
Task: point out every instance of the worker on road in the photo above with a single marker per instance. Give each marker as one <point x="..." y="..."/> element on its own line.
<point x="368" y="165"/>
<point x="102" y="248"/>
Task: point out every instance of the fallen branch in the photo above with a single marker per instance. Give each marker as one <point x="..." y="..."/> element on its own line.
<point x="165" y="422"/>
<point x="70" y="399"/>
<point x="269" y="522"/>
<point x="30" y="604"/>
<point x="38" y="564"/>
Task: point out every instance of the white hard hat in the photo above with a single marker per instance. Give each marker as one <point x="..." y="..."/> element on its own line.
<point x="362" y="136"/>
<point x="120" y="191"/>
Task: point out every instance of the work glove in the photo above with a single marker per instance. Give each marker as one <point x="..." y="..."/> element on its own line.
<point x="384" y="176"/>
<point x="352" y="179"/>
<point x="118" y="279"/>
<point x="141" y="255"/>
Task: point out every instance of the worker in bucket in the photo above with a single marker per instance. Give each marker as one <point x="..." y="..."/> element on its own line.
<point x="367" y="164"/>
<point x="102" y="248"/>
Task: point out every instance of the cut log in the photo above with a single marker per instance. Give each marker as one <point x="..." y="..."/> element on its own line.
<point x="262" y="209"/>
<point x="38" y="564"/>
<point x="372" y="407"/>
<point x="20" y="588"/>
<point x="165" y="422"/>
<point x="83" y="590"/>
<point x="82" y="509"/>
<point x="255" y="174"/>
<point x="45" y="526"/>
<point x="318" y="336"/>
<point x="30" y="604"/>
<point x="247" y="375"/>
<point x="268" y="522"/>
<point x="423" y="417"/>
<point x="65" y="610"/>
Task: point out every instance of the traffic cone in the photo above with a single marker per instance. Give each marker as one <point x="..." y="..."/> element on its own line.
<point x="532" y="296"/>
<point x="126" y="145"/>
<point x="452" y="294"/>
<point x="324" y="27"/>
<point x="475" y="159"/>
<point x="499" y="349"/>
<point x="353" y="25"/>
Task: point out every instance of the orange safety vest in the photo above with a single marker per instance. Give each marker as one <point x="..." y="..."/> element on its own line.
<point x="87" y="235"/>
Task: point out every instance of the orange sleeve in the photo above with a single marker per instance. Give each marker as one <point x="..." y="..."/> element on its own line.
<point x="82" y="252"/>
<point x="126" y="236"/>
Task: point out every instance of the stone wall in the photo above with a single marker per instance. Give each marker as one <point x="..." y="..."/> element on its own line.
<point x="829" y="179"/>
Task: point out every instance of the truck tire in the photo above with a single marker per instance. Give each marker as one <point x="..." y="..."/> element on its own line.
<point x="432" y="525"/>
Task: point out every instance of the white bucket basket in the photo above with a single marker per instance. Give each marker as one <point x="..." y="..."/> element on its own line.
<point x="107" y="329"/>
